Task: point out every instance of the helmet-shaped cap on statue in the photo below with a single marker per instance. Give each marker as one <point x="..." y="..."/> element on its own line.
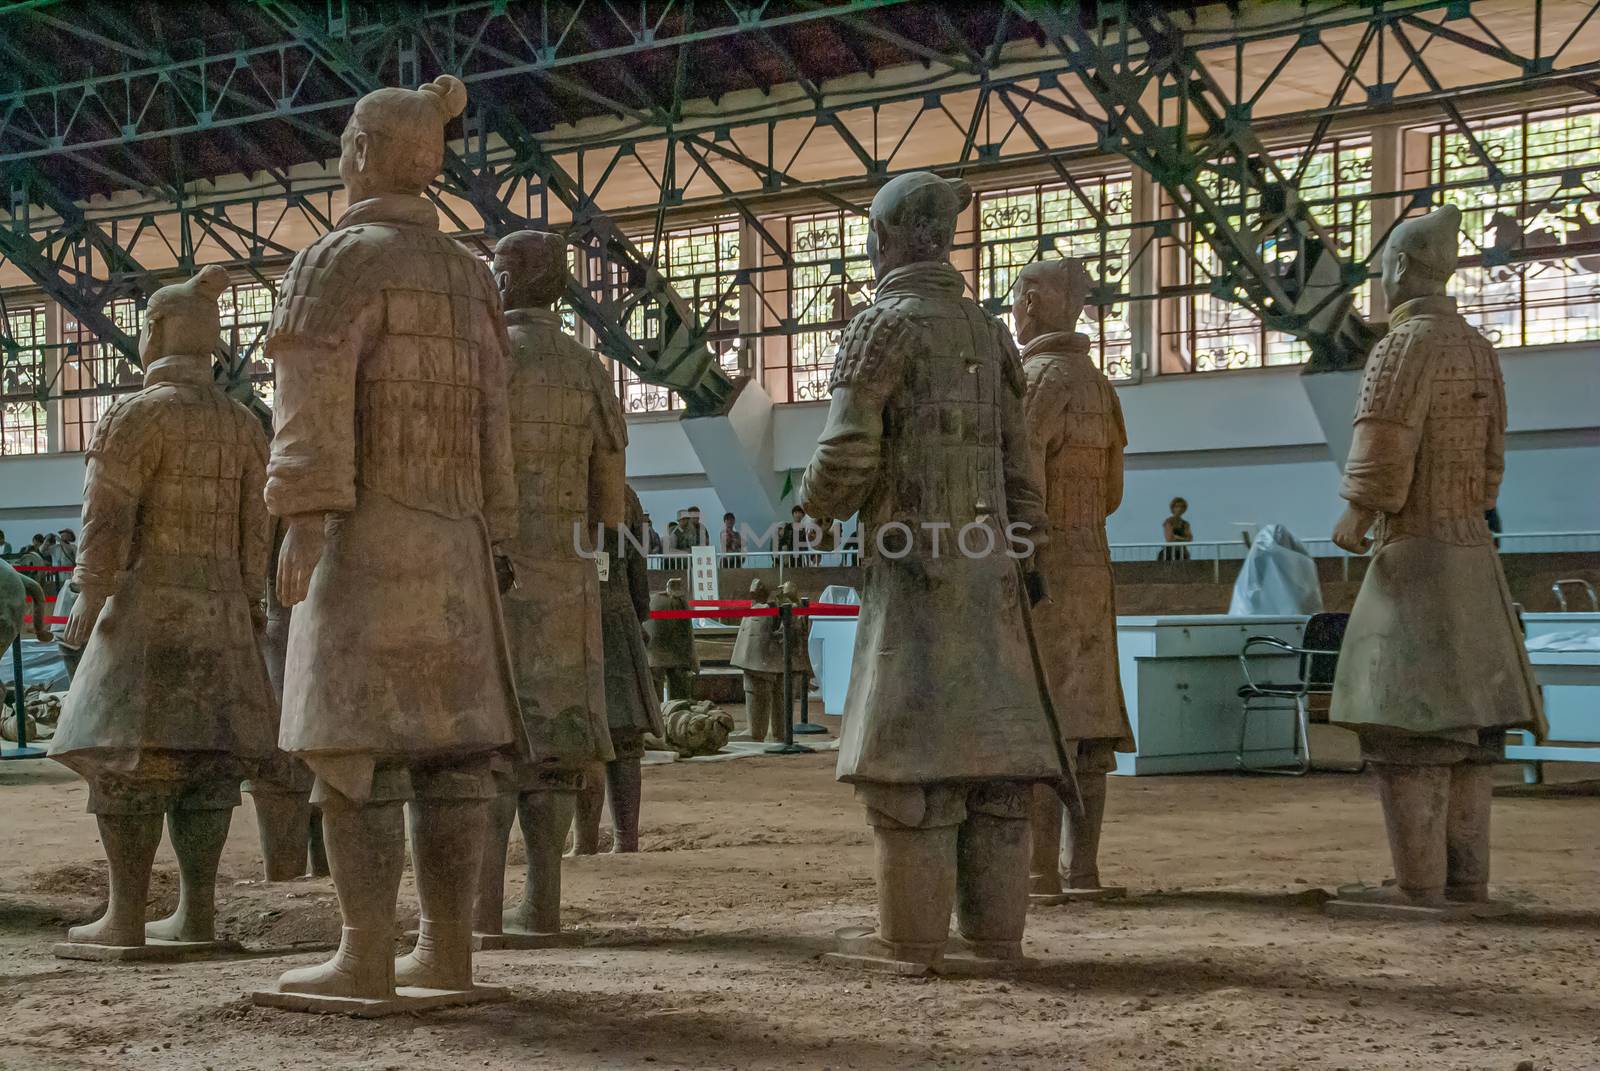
<point x="1431" y="242"/>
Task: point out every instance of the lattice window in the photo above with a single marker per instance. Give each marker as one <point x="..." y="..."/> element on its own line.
<point x="702" y="263"/>
<point x="1202" y="332"/>
<point x="829" y="282"/>
<point x="1530" y="267"/>
<point x="246" y="310"/>
<point x="93" y="366"/>
<point x="1018" y="226"/>
<point x="22" y="381"/>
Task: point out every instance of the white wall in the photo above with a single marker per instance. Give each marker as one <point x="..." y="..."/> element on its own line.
<point x="1240" y="446"/>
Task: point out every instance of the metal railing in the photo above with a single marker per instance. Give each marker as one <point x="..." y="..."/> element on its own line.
<point x="1214" y="551"/>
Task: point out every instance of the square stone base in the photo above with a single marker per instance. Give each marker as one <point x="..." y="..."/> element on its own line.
<point x="963" y="965"/>
<point x="520" y="940"/>
<point x="1068" y="896"/>
<point x="851" y="937"/>
<point x="1362" y="909"/>
<point x="405" y="999"/>
<point x="152" y="951"/>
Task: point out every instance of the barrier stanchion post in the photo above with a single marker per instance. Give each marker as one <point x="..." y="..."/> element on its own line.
<point x="22" y="750"/>
<point x="805" y="725"/>
<point x="788" y="747"/>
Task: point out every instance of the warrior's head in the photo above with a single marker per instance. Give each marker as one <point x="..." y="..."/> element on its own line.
<point x="913" y="219"/>
<point x="758" y="591"/>
<point x="1420" y="256"/>
<point x="1048" y="296"/>
<point x="530" y="267"/>
<point x="183" y="319"/>
<point x="394" y="142"/>
<point x="789" y="592"/>
<point x="675" y="586"/>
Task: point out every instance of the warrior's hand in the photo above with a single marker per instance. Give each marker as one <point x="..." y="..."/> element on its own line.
<point x="505" y="573"/>
<point x="1038" y="590"/>
<point x="297" y="560"/>
<point x="42" y="633"/>
<point x="80" y="623"/>
<point x="1351" y="531"/>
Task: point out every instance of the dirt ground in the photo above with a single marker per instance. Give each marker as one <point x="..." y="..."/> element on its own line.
<point x="703" y="949"/>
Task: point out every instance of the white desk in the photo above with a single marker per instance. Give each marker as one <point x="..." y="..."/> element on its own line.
<point x="1181" y="678"/>
<point x="1566" y="664"/>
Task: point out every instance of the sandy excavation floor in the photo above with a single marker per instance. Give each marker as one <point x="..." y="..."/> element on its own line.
<point x="704" y="948"/>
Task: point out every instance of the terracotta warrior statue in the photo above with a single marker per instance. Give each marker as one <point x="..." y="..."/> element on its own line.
<point x="1075" y="442"/>
<point x="632" y="707"/>
<point x="670" y="644"/>
<point x="392" y="456"/>
<point x="1433" y="670"/>
<point x="20" y="597"/>
<point x="568" y="438"/>
<point x="947" y="726"/>
<point x="758" y="651"/>
<point x="170" y="707"/>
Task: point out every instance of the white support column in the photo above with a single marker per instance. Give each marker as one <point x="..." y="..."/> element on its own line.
<point x="1144" y="278"/>
<point x="53" y="332"/>
<point x="1388" y="176"/>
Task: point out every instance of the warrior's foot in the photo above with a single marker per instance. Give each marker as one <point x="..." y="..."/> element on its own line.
<point x="1391" y="895"/>
<point x="181" y="926"/>
<point x="868" y="945"/>
<point x="362" y="968"/>
<point x="1467" y="894"/>
<point x="524" y="918"/>
<point x="434" y="964"/>
<point x="106" y="930"/>
<point x="342" y="976"/>
<point x="1044" y="885"/>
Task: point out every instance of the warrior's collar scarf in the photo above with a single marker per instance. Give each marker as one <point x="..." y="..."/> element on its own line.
<point x="179" y="368"/>
<point x="406" y="209"/>
<point x="1070" y="343"/>
<point x="1431" y="305"/>
<point x="531" y="316"/>
<point x="927" y="278"/>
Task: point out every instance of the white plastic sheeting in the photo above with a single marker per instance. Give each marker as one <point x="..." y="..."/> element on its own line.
<point x="1278" y="577"/>
<point x="832" y="647"/>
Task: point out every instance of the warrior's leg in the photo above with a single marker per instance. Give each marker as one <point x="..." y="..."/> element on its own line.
<point x="448" y="819"/>
<point x="1080" y="848"/>
<point x="315" y="847"/>
<point x="680" y="684"/>
<point x="624" y="787"/>
<point x="778" y="712"/>
<point x="591" y="800"/>
<point x="366" y="845"/>
<point x="757" y="705"/>
<point x="198" y="823"/>
<point x="546" y="816"/>
<point x="992" y="870"/>
<point x="1467" y="838"/>
<point x="915" y="832"/>
<point x="487" y="918"/>
<point x="283" y="820"/>
<point x="1416" y="802"/>
<point x="130" y="830"/>
<point x="1044" y="875"/>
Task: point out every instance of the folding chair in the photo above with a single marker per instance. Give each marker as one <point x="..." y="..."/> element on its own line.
<point x="1324" y="633"/>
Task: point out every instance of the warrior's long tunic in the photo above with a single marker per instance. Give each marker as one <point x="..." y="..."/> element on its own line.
<point x="175" y="533"/>
<point x="925" y="428"/>
<point x="671" y="640"/>
<point x="1433" y="647"/>
<point x="631" y="701"/>
<point x="391" y="407"/>
<point x="1075" y="439"/>
<point x="568" y="437"/>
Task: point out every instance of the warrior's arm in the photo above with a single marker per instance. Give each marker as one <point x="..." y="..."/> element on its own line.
<point x="1044" y="416"/>
<point x="1114" y="452"/>
<point x="1495" y="449"/>
<point x="1388" y="429"/>
<point x="608" y="462"/>
<point x="845" y="466"/>
<point x="494" y="446"/>
<point x="255" y="525"/>
<point x="312" y="468"/>
<point x="1024" y="498"/>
